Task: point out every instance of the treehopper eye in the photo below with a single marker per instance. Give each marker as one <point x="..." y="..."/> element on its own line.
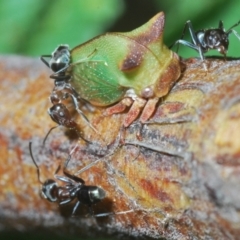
<point x="120" y="70"/>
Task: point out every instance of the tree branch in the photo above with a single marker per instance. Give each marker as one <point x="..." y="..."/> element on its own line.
<point x="181" y="180"/>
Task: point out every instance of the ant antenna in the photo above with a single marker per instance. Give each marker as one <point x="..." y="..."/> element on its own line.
<point x="229" y="30"/>
<point x="44" y="140"/>
<point x="79" y="135"/>
<point x="37" y="167"/>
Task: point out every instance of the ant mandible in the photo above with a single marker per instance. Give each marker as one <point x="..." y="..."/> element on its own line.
<point x="74" y="188"/>
<point x="208" y="39"/>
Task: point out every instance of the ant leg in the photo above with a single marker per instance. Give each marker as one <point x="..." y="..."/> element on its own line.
<point x="76" y="207"/>
<point x="69" y="156"/>
<point x="112" y="213"/>
<point x="187" y="44"/>
<point x="190" y="45"/>
<point x="196" y="45"/>
<point x="235" y="33"/>
<point x="88" y="166"/>
<point x="229" y="30"/>
<point x="65" y="201"/>
<point x="192" y="33"/>
<point x="70" y="177"/>
<point x="201" y="53"/>
<point x="180" y="40"/>
<point x="193" y="45"/>
<point x="75" y="102"/>
<point x="182" y="36"/>
<point x="44" y="61"/>
<point x="96" y="161"/>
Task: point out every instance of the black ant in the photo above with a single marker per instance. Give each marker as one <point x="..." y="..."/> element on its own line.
<point x="74" y="188"/>
<point x="208" y="39"/>
<point x="59" y="63"/>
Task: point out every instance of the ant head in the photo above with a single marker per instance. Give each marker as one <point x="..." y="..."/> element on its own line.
<point x="217" y="39"/>
<point x="90" y="194"/>
<point x="60" y="58"/>
<point x="49" y="190"/>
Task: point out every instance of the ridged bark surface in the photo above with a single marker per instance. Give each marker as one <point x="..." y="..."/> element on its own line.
<point x="181" y="179"/>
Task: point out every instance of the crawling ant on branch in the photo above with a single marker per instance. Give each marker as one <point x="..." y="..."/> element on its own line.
<point x="208" y="39"/>
<point x="74" y="188"/>
<point x="59" y="63"/>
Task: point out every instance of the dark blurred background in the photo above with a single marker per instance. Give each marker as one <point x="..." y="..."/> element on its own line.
<point x="36" y="27"/>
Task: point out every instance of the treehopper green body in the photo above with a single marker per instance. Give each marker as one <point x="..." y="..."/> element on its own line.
<point x="120" y="70"/>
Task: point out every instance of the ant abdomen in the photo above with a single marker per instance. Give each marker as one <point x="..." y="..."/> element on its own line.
<point x="90" y="194"/>
<point x="61" y="115"/>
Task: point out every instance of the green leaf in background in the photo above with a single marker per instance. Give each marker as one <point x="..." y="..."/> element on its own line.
<point x="37" y="27"/>
<point x="16" y="18"/>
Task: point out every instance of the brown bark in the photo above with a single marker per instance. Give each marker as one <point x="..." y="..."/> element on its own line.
<point x="181" y="180"/>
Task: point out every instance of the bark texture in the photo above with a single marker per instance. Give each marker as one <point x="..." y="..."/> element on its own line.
<point x="181" y="179"/>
